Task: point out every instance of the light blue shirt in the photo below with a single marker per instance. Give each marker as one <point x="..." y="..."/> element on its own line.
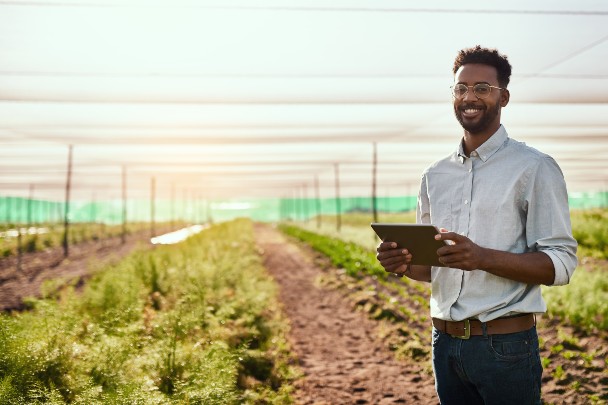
<point x="506" y="196"/>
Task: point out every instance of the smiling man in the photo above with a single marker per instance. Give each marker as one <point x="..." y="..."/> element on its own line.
<point x="504" y="208"/>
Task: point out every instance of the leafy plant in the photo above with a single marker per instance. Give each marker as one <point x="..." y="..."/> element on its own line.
<point x="176" y="324"/>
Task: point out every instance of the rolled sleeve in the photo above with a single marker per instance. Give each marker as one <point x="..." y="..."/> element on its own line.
<point x="548" y="227"/>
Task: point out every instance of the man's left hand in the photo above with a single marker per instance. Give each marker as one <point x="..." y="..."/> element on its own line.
<point x="462" y="253"/>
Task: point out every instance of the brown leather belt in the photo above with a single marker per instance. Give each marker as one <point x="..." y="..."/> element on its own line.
<point x="472" y="327"/>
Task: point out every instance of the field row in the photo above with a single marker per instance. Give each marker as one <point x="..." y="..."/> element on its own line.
<point x="177" y="324"/>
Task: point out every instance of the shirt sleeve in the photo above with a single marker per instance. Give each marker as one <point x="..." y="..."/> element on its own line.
<point x="548" y="227"/>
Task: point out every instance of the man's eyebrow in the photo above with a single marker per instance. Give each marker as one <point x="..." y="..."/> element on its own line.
<point x="475" y="83"/>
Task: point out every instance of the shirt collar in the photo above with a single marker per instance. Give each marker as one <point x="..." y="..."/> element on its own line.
<point x="488" y="148"/>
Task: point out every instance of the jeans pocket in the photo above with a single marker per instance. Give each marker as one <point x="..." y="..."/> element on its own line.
<point x="513" y="346"/>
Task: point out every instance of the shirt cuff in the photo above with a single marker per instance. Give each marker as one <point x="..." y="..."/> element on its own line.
<point x="564" y="265"/>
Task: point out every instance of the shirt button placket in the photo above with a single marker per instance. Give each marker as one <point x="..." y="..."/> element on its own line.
<point x="467" y="193"/>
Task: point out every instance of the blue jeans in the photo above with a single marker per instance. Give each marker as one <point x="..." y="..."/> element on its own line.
<point x="490" y="369"/>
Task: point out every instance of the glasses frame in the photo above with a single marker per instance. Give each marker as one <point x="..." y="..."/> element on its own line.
<point x="473" y="87"/>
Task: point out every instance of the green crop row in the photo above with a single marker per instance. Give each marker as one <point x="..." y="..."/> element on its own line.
<point x="194" y="323"/>
<point x="590" y="229"/>
<point x="354" y="259"/>
<point x="583" y="303"/>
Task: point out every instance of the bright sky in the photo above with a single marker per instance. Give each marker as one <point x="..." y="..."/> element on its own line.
<point x="256" y="98"/>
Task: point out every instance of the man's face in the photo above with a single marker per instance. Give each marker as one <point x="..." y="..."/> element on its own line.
<point x="474" y="114"/>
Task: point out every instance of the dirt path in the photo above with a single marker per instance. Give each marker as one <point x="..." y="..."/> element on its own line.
<point x="342" y="360"/>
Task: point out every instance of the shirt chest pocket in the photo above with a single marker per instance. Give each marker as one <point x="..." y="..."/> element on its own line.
<point x="443" y="190"/>
<point x="441" y="214"/>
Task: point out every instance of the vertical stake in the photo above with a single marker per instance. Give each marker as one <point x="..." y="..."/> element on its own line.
<point x="123" y="235"/>
<point x="318" y="201"/>
<point x="66" y="213"/>
<point x="374" y="174"/>
<point x="152" y="206"/>
<point x="338" y="204"/>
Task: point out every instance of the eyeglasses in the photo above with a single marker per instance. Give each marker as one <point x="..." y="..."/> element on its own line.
<point x="481" y="90"/>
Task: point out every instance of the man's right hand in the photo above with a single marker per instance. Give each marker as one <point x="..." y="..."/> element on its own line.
<point x="393" y="259"/>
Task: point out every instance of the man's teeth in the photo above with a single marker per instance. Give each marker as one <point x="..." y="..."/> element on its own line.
<point x="471" y="110"/>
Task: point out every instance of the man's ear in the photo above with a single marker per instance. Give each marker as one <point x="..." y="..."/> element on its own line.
<point x="504" y="97"/>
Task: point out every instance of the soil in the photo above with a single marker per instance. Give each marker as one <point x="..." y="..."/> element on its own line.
<point x="339" y="352"/>
<point x="345" y="360"/>
<point x="342" y="357"/>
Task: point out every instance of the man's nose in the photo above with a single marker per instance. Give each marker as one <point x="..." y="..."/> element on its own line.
<point x="470" y="95"/>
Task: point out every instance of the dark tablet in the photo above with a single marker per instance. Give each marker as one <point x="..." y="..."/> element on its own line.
<point x="418" y="239"/>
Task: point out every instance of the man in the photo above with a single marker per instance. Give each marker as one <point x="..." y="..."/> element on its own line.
<point x="503" y="207"/>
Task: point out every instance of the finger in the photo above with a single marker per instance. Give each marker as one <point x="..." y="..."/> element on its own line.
<point x="400" y="269"/>
<point x="454" y="258"/>
<point x="391" y="253"/>
<point x="453" y="236"/>
<point x="399" y="260"/>
<point x="384" y="246"/>
<point x="447" y="250"/>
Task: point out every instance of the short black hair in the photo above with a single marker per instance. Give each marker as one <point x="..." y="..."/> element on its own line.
<point x="485" y="56"/>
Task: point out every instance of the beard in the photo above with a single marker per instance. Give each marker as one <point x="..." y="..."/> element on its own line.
<point x="476" y="127"/>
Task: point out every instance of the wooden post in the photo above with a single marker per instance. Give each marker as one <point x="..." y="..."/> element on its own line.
<point x="66" y="213"/>
<point x="19" y="237"/>
<point x="172" y="206"/>
<point x="29" y="206"/>
<point x="374" y="173"/>
<point x="152" y="207"/>
<point x="305" y="202"/>
<point x="123" y="235"/>
<point x="338" y="203"/>
<point x="318" y="201"/>
<point x="93" y="210"/>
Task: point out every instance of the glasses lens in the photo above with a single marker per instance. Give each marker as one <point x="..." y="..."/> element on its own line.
<point x="459" y="90"/>
<point x="482" y="90"/>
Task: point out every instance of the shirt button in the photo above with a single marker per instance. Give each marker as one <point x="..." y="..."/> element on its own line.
<point x="474" y="154"/>
<point x="466" y="201"/>
<point x="470" y="170"/>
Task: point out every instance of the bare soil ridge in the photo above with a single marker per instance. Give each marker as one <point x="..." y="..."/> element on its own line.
<point x="342" y="359"/>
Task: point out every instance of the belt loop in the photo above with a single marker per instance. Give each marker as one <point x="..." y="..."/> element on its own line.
<point x="484" y="328"/>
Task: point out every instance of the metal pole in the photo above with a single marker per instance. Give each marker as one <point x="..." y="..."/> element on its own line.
<point x="123" y="236"/>
<point x="338" y="204"/>
<point x="152" y="206"/>
<point x="374" y="174"/>
<point x="19" y="238"/>
<point x="305" y="202"/>
<point x="172" y="206"/>
<point x="29" y="206"/>
<point x="318" y="201"/>
<point x="66" y="213"/>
